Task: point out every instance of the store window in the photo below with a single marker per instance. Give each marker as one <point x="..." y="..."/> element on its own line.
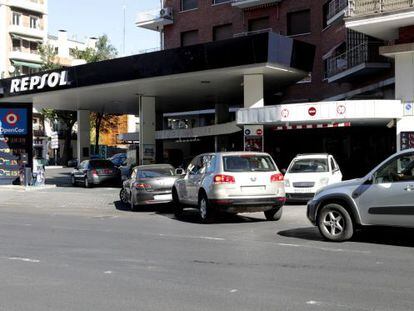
<point x="34" y="22"/>
<point x="16" y="18"/>
<point x="189" y="37"/>
<point x="34" y="48"/>
<point x="259" y="24"/>
<point x="189" y="5"/>
<point x="222" y="32"/>
<point x="298" y="23"/>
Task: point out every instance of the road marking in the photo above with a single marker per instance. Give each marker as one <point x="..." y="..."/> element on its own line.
<point x="332" y="305"/>
<point x="335" y="250"/>
<point x="24" y="259"/>
<point x="108" y="272"/>
<point x="192" y="237"/>
<point x="234" y="291"/>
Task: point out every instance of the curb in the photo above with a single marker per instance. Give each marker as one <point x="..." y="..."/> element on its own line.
<point x="22" y="188"/>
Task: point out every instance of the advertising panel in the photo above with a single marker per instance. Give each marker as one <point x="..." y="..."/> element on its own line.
<point x="253" y="138"/>
<point x="15" y="142"/>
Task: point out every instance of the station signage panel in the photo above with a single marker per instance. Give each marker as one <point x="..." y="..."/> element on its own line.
<point x="253" y="138"/>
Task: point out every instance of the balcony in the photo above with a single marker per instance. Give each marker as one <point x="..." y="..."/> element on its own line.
<point x="31" y="5"/>
<point x="155" y="19"/>
<point x="25" y="56"/>
<point x="336" y="9"/>
<point x="27" y="31"/>
<point x="380" y="18"/>
<point x="357" y="62"/>
<point x="245" y="4"/>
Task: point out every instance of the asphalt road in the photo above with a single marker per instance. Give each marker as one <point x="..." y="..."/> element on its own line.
<point x="80" y="249"/>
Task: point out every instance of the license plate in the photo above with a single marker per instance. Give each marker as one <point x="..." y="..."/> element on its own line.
<point x="163" y="197"/>
<point x="303" y="190"/>
<point x="253" y="188"/>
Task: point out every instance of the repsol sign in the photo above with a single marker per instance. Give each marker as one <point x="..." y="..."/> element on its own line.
<point x="50" y="80"/>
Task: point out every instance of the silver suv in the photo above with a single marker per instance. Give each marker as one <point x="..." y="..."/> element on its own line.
<point x="232" y="182"/>
<point x="385" y="197"/>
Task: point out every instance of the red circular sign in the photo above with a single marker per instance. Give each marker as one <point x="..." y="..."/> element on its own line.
<point x="259" y="132"/>
<point x="312" y="111"/>
<point x="11" y="118"/>
<point x="285" y="113"/>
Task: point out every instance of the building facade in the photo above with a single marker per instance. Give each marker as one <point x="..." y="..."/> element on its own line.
<point x="23" y="27"/>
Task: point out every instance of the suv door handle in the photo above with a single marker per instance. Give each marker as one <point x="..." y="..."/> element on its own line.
<point x="409" y="188"/>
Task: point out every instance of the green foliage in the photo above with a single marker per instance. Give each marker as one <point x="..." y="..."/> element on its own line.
<point x="48" y="55"/>
<point x="102" y="51"/>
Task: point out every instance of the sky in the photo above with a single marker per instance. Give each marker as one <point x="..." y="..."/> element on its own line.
<point x="92" y="18"/>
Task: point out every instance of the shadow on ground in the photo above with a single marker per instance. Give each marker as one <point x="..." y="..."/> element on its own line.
<point x="375" y="235"/>
<point x="189" y="215"/>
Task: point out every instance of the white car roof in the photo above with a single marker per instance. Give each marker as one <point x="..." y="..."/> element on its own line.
<point x="313" y="156"/>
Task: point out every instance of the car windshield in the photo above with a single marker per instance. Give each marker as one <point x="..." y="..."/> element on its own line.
<point x="156" y="173"/>
<point x="101" y="164"/>
<point x="309" y="166"/>
<point x="248" y="163"/>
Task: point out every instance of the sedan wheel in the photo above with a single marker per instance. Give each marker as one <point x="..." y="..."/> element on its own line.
<point x="123" y="195"/>
<point x="335" y="223"/>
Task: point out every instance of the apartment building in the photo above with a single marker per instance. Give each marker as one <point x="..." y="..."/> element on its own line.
<point x="23" y="26"/>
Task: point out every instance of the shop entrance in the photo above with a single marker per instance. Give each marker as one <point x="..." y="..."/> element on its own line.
<point x="357" y="149"/>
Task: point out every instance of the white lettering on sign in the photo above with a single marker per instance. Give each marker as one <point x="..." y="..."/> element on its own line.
<point x="51" y="80"/>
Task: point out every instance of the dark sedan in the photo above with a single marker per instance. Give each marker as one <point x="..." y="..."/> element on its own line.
<point x="95" y="172"/>
<point x="149" y="184"/>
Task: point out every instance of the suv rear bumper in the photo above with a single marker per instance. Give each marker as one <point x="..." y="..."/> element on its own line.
<point x="247" y="205"/>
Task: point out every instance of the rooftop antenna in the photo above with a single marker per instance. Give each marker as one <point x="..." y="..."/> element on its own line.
<point x="124" y="29"/>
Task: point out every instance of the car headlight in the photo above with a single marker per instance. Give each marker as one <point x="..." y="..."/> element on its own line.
<point x="287" y="183"/>
<point x="324" y="181"/>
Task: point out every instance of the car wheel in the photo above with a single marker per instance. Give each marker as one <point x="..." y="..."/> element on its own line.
<point x="123" y="195"/>
<point x="335" y="223"/>
<point x="177" y="207"/>
<point x="274" y="213"/>
<point x="73" y="181"/>
<point x="205" y="211"/>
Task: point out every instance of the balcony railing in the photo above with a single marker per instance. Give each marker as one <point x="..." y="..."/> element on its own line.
<point x="251" y="3"/>
<point x="335" y="7"/>
<point x="369" y="7"/>
<point x="255" y="32"/>
<point x="364" y="53"/>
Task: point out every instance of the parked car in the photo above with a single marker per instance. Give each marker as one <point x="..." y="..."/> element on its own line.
<point x="307" y="173"/>
<point x="149" y="184"/>
<point x="384" y="197"/>
<point x="73" y="163"/>
<point x="232" y="182"/>
<point x="95" y="172"/>
<point x="118" y="159"/>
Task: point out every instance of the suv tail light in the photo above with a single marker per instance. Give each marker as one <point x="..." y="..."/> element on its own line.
<point x="276" y="177"/>
<point x="224" y="179"/>
<point x="142" y="186"/>
<point x="94" y="172"/>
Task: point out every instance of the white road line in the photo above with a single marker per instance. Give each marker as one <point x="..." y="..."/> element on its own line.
<point x="108" y="272"/>
<point x="24" y="259"/>
<point x="333" y="306"/>
<point x="335" y="250"/>
<point x="192" y="237"/>
<point x="234" y="291"/>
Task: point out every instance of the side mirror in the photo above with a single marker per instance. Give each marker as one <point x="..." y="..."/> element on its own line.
<point x="180" y="171"/>
<point x="370" y="179"/>
<point x="283" y="171"/>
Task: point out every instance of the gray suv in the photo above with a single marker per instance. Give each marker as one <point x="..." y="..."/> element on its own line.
<point x="384" y="197"/>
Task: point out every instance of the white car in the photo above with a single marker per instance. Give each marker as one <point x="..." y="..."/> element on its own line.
<point x="232" y="182"/>
<point x="308" y="173"/>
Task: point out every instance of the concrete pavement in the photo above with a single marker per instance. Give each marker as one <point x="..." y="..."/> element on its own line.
<point x="80" y="249"/>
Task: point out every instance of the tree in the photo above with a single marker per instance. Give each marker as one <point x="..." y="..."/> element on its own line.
<point x="103" y="50"/>
<point x="101" y="122"/>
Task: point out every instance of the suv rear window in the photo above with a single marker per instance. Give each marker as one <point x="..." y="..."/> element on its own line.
<point x="101" y="164"/>
<point x="309" y="166"/>
<point x="248" y="163"/>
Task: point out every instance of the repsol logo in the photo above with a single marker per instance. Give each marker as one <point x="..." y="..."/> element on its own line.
<point x="39" y="82"/>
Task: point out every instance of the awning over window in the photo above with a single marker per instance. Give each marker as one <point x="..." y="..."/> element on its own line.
<point x="26" y="64"/>
<point x="30" y="39"/>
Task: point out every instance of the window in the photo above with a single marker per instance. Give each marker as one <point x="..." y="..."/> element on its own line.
<point x="399" y="169"/>
<point x="34" y="22"/>
<point x="16" y="18"/>
<point x="259" y="24"/>
<point x="17" y="45"/>
<point x="34" y="48"/>
<point x="222" y="32"/>
<point x="189" y="38"/>
<point x="298" y="23"/>
<point x="189" y="4"/>
<point x="248" y="163"/>
<point x="194" y="166"/>
<point x="220" y="1"/>
<point x="309" y="166"/>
